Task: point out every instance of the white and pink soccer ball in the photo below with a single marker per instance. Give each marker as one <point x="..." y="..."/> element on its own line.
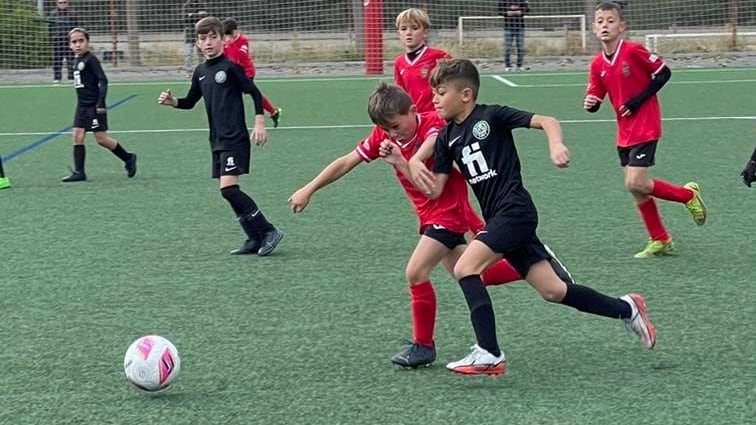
<point x="151" y="363"/>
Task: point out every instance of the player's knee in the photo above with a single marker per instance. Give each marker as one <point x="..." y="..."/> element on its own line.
<point x="102" y="138"/>
<point x="553" y="293"/>
<point x="416" y="274"/>
<point x="638" y="186"/>
<point x="229" y="192"/>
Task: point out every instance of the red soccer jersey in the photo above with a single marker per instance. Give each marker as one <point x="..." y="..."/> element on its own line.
<point x="627" y="73"/>
<point x="238" y="51"/>
<point x="413" y="76"/>
<point x="452" y="208"/>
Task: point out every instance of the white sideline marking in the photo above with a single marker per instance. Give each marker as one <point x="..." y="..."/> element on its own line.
<point x="340" y="126"/>
<point x="504" y="80"/>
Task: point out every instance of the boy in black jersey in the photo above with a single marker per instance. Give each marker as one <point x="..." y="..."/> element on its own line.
<point x="91" y="113"/>
<point x="478" y="138"/>
<point x="221" y="83"/>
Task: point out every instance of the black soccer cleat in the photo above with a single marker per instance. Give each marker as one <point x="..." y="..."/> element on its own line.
<point x="415" y="355"/>
<point x="75" y="176"/>
<point x="270" y="241"/>
<point x="249" y="247"/>
<point x="130" y="166"/>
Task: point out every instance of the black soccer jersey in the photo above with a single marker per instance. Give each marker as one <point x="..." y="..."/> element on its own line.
<point x="221" y="83"/>
<point x="483" y="148"/>
<point x="90" y="81"/>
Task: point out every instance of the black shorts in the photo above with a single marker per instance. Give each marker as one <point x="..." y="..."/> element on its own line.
<point x="86" y="117"/>
<point x="515" y="241"/>
<point x="448" y="238"/>
<point x="230" y="163"/>
<point x="642" y="155"/>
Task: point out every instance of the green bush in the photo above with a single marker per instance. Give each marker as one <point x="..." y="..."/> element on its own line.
<point x="25" y="41"/>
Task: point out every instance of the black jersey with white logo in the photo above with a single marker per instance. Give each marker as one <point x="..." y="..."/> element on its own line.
<point x="221" y="83"/>
<point x="483" y="148"/>
<point x="90" y="81"/>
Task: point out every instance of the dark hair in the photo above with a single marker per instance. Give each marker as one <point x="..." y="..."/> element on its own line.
<point x="386" y="102"/>
<point x="209" y="25"/>
<point x="461" y="73"/>
<point x="79" y="30"/>
<point x="609" y="6"/>
<point x="229" y="26"/>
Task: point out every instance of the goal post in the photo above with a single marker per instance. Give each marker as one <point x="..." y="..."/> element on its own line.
<point x="571" y="23"/>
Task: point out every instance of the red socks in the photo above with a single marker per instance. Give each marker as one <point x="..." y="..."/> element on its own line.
<point x="670" y="192"/>
<point x="499" y="273"/>
<point x="423" y="312"/>
<point x="651" y="219"/>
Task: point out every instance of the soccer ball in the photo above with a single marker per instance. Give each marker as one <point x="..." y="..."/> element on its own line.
<point x="151" y="363"/>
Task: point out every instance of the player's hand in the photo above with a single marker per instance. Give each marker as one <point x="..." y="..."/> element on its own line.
<point x="590" y="102"/>
<point x="390" y="153"/>
<point x="166" y="98"/>
<point x="299" y="200"/>
<point x="560" y="155"/>
<point x="630" y="107"/>
<point x="421" y="176"/>
<point x="258" y="134"/>
<point x="749" y="173"/>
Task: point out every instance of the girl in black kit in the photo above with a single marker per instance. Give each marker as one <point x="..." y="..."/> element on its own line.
<point x="91" y="113"/>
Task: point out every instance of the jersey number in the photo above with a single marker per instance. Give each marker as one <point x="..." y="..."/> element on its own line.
<point x="473" y="158"/>
<point x="77" y="79"/>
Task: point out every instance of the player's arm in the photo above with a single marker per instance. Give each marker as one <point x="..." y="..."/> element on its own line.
<point x="558" y="152"/>
<point x="431" y="183"/>
<point x="595" y="92"/>
<point x="749" y="172"/>
<point x="259" y="135"/>
<point x="332" y="172"/>
<point x="658" y="80"/>
<point x="187" y="102"/>
<point x="102" y="82"/>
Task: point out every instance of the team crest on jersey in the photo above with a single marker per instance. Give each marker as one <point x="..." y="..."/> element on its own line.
<point x="80" y="66"/>
<point x="625" y="70"/>
<point x="481" y="130"/>
<point x="220" y="77"/>
<point x="424" y="72"/>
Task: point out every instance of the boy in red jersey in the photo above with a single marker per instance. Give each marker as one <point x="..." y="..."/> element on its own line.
<point x="412" y="68"/>
<point x="632" y="76"/>
<point x="236" y="48"/>
<point x="399" y="131"/>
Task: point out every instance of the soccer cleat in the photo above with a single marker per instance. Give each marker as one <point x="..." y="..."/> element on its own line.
<point x="696" y="205"/>
<point x="250" y="246"/>
<point x="275" y="117"/>
<point x="270" y="241"/>
<point x="415" y="355"/>
<point x="638" y="322"/>
<point x="75" y="176"/>
<point x="479" y="362"/>
<point x="654" y="248"/>
<point x="4" y="183"/>
<point x="131" y="165"/>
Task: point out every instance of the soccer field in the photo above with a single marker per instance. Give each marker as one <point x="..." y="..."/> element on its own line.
<point x="305" y="336"/>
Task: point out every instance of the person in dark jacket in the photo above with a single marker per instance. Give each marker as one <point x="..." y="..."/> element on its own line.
<point x="61" y="21"/>
<point x="514" y="12"/>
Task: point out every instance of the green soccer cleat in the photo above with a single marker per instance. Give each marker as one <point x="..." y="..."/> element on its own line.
<point x="276" y="117"/>
<point x="696" y="205"/>
<point x="4" y="183"/>
<point x="656" y="248"/>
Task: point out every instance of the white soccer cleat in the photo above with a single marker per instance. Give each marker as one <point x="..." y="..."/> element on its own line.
<point x="479" y="362"/>
<point x="638" y="322"/>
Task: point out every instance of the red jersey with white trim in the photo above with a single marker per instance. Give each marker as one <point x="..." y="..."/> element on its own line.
<point x="413" y="76"/>
<point x="238" y="51"/>
<point x="626" y="74"/>
<point x="451" y="209"/>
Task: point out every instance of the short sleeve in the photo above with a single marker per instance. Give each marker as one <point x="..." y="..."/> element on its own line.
<point x="595" y="85"/>
<point x="442" y="155"/>
<point x="512" y="118"/>
<point x="651" y="62"/>
<point x="368" y="149"/>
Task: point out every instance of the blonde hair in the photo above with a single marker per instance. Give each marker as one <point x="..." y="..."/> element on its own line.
<point x="413" y="16"/>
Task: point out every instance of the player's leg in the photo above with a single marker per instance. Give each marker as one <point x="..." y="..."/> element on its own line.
<point x="188" y="53"/>
<point x="542" y="277"/>
<point x="635" y="162"/>
<point x="69" y="63"/>
<point x="4" y="181"/>
<point x="79" y="152"/>
<point x="262" y="236"/>
<point x="520" y="45"/>
<point x="508" y="40"/>
<point x="434" y="245"/>
<point x="57" y="62"/>
<point x="485" y="358"/>
<point x="111" y="144"/>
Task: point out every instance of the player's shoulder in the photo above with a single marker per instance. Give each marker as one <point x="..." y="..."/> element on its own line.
<point x="431" y="118"/>
<point x="437" y="53"/>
